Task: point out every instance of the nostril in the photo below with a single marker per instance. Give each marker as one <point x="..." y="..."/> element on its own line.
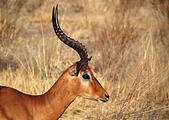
<point x="107" y="96"/>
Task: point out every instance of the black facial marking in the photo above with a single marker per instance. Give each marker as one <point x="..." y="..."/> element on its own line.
<point x="79" y="66"/>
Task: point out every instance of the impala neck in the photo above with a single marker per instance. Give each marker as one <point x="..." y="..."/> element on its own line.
<point x="55" y="101"/>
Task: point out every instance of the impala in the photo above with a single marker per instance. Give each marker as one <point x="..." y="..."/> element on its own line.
<point x="77" y="80"/>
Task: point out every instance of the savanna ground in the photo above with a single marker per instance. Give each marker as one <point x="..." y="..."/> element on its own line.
<point x="128" y="39"/>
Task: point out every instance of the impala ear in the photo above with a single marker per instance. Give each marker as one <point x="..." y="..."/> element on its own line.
<point x="72" y="71"/>
<point x="89" y="58"/>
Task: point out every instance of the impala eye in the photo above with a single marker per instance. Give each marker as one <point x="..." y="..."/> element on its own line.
<point x="86" y="76"/>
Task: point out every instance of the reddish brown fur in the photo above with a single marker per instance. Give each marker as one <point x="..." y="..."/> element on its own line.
<point x="15" y="105"/>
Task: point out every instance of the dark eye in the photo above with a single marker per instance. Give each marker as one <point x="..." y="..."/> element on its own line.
<point x="86" y="76"/>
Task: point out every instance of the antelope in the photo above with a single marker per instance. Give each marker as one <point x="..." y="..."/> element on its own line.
<point x="77" y="80"/>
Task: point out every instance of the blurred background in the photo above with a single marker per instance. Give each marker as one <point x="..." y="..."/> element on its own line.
<point x="128" y="39"/>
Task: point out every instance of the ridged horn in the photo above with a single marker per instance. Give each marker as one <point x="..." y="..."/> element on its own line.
<point x="77" y="46"/>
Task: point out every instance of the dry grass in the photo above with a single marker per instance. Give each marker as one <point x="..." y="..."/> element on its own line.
<point x="127" y="39"/>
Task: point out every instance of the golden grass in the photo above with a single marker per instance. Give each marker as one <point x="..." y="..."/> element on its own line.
<point x="127" y="39"/>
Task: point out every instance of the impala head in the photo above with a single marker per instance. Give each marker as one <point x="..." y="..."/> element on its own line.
<point x="81" y="79"/>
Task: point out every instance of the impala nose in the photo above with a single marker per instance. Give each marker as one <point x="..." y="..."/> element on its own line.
<point x="107" y="96"/>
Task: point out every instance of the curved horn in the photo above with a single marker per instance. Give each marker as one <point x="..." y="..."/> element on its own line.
<point x="80" y="49"/>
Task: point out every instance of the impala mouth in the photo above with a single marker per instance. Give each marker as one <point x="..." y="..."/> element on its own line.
<point x="98" y="99"/>
<point x="102" y="101"/>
